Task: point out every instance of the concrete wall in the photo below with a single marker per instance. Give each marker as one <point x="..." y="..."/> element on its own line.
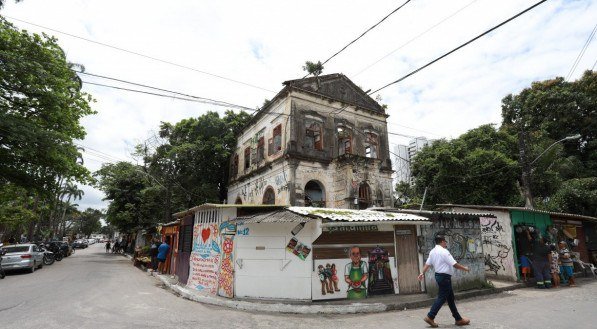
<point x="465" y="244"/>
<point x="264" y="268"/>
<point x="497" y="246"/>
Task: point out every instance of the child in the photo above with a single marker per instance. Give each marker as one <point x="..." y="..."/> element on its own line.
<point x="555" y="267"/>
<point x="525" y="266"/>
<point x="322" y="279"/>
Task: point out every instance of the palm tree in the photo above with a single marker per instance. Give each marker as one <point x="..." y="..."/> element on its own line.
<point x="73" y="192"/>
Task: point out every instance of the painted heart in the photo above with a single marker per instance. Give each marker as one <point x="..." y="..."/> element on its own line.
<point x="205" y="234"/>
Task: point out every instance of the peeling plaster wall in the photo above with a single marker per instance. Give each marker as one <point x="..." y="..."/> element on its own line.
<point x="251" y="191"/>
<point x="465" y="244"/>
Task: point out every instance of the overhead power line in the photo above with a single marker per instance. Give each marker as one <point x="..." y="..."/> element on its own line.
<point x="582" y="53"/>
<point x="363" y="34"/>
<point x="142" y="55"/>
<point x="461" y="46"/>
<point x="414" y="38"/>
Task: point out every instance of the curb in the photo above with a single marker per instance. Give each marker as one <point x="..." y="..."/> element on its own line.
<point x="354" y="308"/>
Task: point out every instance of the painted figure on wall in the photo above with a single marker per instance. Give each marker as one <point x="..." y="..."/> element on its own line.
<point x="334" y="278"/>
<point x="356" y="274"/>
<point x="380" y="276"/>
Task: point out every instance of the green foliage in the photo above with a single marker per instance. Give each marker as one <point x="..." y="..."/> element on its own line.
<point x="406" y="195"/>
<point x="90" y="221"/>
<point x="15" y="207"/>
<point x="313" y="68"/>
<point x="479" y="167"/>
<point x="40" y="110"/>
<point x="577" y="196"/>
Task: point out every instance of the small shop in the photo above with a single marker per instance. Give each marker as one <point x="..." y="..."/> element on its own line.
<point x="169" y="232"/>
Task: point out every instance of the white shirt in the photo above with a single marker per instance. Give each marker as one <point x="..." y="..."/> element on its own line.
<point x="441" y="260"/>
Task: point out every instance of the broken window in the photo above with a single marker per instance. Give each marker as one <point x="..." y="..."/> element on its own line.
<point x="277" y="140"/>
<point x="371" y="145"/>
<point x="313" y="138"/>
<point x="344" y="140"/>
<point x="260" y="149"/>
<point x="247" y="158"/>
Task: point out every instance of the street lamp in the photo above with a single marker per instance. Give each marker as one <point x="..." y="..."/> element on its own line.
<point x="526" y="167"/>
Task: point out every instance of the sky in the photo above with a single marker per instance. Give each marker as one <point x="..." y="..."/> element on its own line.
<point x="241" y="51"/>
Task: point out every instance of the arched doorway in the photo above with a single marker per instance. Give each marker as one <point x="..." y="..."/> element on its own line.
<point x="314" y="194"/>
<point x="238" y="200"/>
<point x="364" y="196"/>
<point x="269" y="197"/>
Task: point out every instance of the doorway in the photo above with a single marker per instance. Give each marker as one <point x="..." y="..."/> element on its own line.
<point x="407" y="259"/>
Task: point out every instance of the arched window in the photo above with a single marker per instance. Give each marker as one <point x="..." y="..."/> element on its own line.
<point x="314" y="194"/>
<point x="371" y="144"/>
<point x="269" y="197"/>
<point x="238" y="200"/>
<point x="313" y="135"/>
<point x="364" y="196"/>
<point x="379" y="198"/>
<point x="344" y="140"/>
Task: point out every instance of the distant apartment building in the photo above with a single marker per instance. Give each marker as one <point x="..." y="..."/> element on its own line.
<point x="403" y="154"/>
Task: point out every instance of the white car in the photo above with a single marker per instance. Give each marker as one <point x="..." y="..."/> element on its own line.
<point x="22" y="256"/>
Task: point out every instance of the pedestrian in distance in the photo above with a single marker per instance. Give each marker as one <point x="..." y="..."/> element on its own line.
<point x="108" y="246"/>
<point x="443" y="264"/>
<point x="153" y="253"/>
<point x="525" y="267"/>
<point x="163" y="251"/>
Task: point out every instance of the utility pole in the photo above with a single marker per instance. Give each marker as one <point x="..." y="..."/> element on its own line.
<point x="526" y="170"/>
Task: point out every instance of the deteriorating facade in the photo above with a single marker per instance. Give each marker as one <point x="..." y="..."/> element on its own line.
<point x="321" y="142"/>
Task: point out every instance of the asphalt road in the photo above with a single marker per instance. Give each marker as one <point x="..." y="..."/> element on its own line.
<point x="92" y="289"/>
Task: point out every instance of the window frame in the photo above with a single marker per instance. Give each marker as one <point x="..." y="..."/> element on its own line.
<point x="247" y="159"/>
<point x="317" y="134"/>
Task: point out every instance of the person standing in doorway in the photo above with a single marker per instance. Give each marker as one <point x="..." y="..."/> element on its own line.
<point x="443" y="264"/>
<point x="541" y="261"/>
<point x="163" y="250"/>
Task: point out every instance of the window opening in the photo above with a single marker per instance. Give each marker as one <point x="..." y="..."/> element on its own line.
<point x="314" y="195"/>
<point x="269" y="197"/>
<point x="313" y="136"/>
<point x="247" y="158"/>
<point x="277" y="139"/>
<point x="260" y="149"/>
<point x="344" y="141"/>
<point x="371" y="145"/>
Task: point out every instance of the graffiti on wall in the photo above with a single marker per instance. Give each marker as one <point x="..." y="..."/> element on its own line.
<point x="226" y="279"/>
<point x="497" y="254"/>
<point x="205" y="258"/>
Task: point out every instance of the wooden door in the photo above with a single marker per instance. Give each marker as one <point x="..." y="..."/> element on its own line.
<point x="185" y="243"/>
<point x="407" y="259"/>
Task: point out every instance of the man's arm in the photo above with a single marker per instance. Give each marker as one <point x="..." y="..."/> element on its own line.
<point x="461" y="267"/>
<point x="422" y="275"/>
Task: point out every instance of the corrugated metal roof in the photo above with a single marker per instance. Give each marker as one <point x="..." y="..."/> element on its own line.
<point x="432" y="213"/>
<point x="559" y="214"/>
<point x="351" y="215"/>
<point x="278" y="216"/>
<point x="206" y="206"/>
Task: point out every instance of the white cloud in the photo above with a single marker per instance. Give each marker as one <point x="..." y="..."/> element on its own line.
<point x="264" y="43"/>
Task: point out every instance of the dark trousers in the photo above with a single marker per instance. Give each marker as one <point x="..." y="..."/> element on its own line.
<point x="154" y="263"/>
<point x="542" y="273"/>
<point x="445" y="293"/>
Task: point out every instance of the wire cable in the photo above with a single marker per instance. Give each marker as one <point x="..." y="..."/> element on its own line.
<point x="141" y="55"/>
<point x="461" y="46"/>
<point x="363" y="34"/>
<point x="414" y="38"/>
<point x="582" y="53"/>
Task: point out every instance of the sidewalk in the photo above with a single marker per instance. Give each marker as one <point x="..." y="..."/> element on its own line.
<point x="369" y="305"/>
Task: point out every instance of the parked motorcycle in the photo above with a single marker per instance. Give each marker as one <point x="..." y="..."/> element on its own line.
<point x="56" y="251"/>
<point x="2" y="253"/>
<point x="49" y="257"/>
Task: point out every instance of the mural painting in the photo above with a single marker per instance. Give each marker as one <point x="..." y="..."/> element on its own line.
<point x="380" y="274"/>
<point x="226" y="279"/>
<point x="300" y="250"/>
<point x="205" y="258"/>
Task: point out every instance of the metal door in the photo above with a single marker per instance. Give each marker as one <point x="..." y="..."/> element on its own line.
<point x="407" y="259"/>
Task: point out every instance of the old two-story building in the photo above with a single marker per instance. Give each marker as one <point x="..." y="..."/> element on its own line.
<point x="321" y="141"/>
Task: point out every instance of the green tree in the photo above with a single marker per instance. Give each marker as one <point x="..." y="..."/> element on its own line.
<point x="547" y="112"/>
<point x="479" y="167"/>
<point x="90" y="221"/>
<point x="577" y="196"/>
<point x="313" y="68"/>
<point x="41" y="105"/>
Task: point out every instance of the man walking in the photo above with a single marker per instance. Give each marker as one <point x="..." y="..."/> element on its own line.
<point x="443" y="263"/>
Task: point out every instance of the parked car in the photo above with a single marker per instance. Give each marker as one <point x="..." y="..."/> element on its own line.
<point x="91" y="241"/>
<point x="80" y="244"/>
<point x="22" y="256"/>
